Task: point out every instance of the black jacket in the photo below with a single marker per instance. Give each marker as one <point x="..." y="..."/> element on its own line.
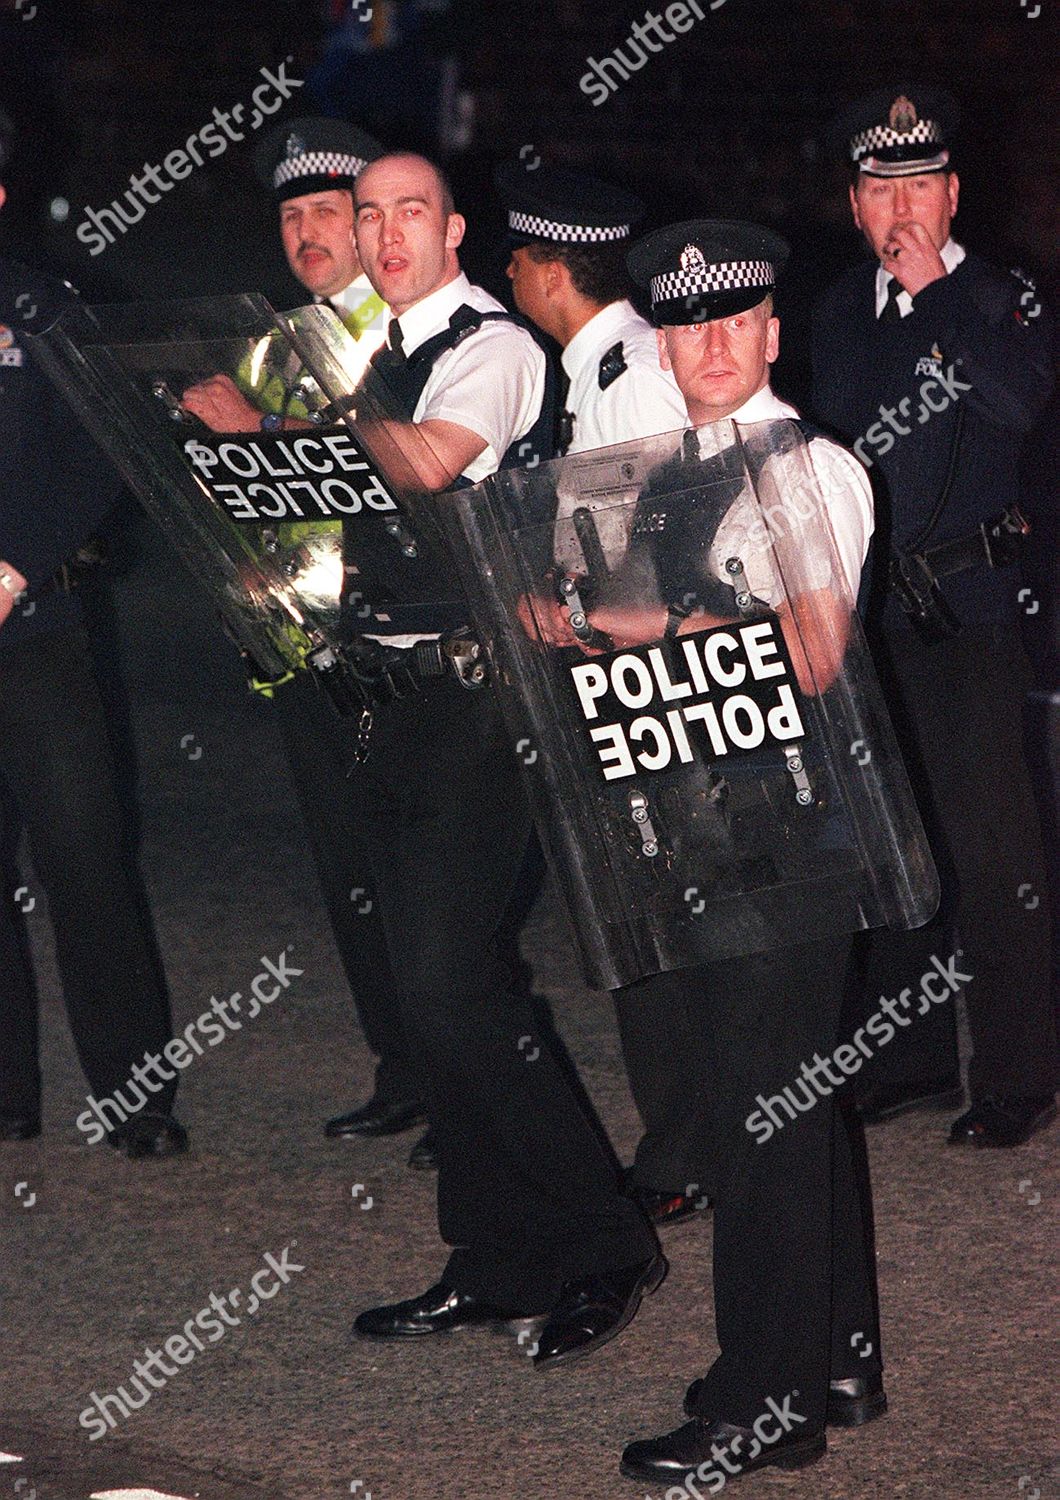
<point x="56" y="487"/>
<point x="977" y="327"/>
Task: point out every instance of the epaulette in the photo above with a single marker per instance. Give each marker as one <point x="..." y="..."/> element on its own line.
<point x="612" y="365"/>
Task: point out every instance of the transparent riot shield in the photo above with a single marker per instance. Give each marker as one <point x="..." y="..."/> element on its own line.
<point x="684" y="677"/>
<point x="310" y="536"/>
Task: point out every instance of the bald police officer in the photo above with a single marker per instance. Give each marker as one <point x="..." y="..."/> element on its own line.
<point x="528" y="1198"/>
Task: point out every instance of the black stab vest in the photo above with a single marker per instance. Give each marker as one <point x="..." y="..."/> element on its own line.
<point x="417" y="590"/>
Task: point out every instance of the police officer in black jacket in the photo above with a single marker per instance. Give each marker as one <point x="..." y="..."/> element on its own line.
<point x="56" y="771"/>
<point x="935" y="366"/>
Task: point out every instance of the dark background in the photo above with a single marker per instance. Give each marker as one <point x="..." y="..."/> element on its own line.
<point x="729" y="119"/>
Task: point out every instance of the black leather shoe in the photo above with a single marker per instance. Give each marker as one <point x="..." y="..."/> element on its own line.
<point x="437" y="1310"/>
<point x="890" y="1100"/>
<point x="148" y="1134"/>
<point x="424" y="1154"/>
<point x="667" y="1208"/>
<point x="377" y="1117"/>
<point x="1003" y="1122"/>
<point x="19" y="1127"/>
<point x="851" y="1403"/>
<point x="593" y="1309"/>
<point x="697" y="1446"/>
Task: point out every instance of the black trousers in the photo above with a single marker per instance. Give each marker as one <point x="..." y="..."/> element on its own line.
<point x="319" y="747"/>
<point x="55" y="762"/>
<point x="794" y="1271"/>
<point x="662" y="1038"/>
<point x="958" y="711"/>
<point x="528" y="1192"/>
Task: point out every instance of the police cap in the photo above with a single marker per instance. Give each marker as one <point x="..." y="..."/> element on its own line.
<point x="313" y="154"/>
<point x="562" y="206"/>
<point x="898" y="132"/>
<point x="704" y="269"/>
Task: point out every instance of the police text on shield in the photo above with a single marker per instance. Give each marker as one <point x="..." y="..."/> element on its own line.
<point x="715" y="692"/>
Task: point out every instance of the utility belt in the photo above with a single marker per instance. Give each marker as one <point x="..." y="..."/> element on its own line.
<point x="914" y="576"/>
<point x="369" y="674"/>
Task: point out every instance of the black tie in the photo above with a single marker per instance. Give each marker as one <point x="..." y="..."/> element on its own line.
<point x="891" y="311"/>
<point x="690" y="446"/>
<point x="565" y="418"/>
<point x="389" y="358"/>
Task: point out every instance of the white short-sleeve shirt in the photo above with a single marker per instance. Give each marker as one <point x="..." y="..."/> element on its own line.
<point x="847" y="497"/>
<point x="642" y="401"/>
<point x="492" y="382"/>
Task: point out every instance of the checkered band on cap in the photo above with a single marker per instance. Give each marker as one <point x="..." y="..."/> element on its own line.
<point x="317" y="164"/>
<point x="877" y="137"/>
<point x="549" y="229"/>
<point x="722" y="276"/>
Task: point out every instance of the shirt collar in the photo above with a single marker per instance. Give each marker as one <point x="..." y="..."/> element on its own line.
<point x="351" y="297"/>
<point x="593" y="335"/>
<point x="951" y="254"/>
<point x="432" y="313"/>
<point x="763" y="406"/>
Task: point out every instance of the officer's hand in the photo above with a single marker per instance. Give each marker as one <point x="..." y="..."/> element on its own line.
<point x="220" y="403"/>
<point x="10" y="589"/>
<point x="910" y="256"/>
<point x="542" y="616"/>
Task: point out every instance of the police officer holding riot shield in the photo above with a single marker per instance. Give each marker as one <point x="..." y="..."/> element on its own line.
<point x="794" y="1284"/>
<point x="528" y="1196"/>
<point x="309" y="166"/>
<point x="935" y="365"/>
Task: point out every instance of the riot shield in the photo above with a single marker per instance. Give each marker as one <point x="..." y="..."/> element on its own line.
<point x="309" y="537"/>
<point x="684" y="677"/>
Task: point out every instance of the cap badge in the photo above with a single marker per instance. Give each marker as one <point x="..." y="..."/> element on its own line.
<point x="903" y="114"/>
<point x="294" y="145"/>
<point x="692" y="259"/>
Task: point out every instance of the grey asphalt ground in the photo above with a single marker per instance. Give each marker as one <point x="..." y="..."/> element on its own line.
<point x="101" y="1257"/>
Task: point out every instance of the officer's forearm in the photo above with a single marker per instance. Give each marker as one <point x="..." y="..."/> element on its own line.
<point x="422" y="455"/>
<point x="816" y="630"/>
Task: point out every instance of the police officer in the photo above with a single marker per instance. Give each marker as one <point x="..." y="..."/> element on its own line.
<point x="935" y="365"/>
<point x="527" y="1195"/>
<point x="569" y="234"/>
<point x="56" y="771"/>
<point x="793" y="1269"/>
<point x="309" y="166"/>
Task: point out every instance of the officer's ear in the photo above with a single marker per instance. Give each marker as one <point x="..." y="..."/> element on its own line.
<point x="854" y="205"/>
<point x="455" y="227"/>
<point x="664" y="351"/>
<point x="772" y="340"/>
<point x="558" y="278"/>
<point x="3" y="195"/>
<point x="953" y="183"/>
